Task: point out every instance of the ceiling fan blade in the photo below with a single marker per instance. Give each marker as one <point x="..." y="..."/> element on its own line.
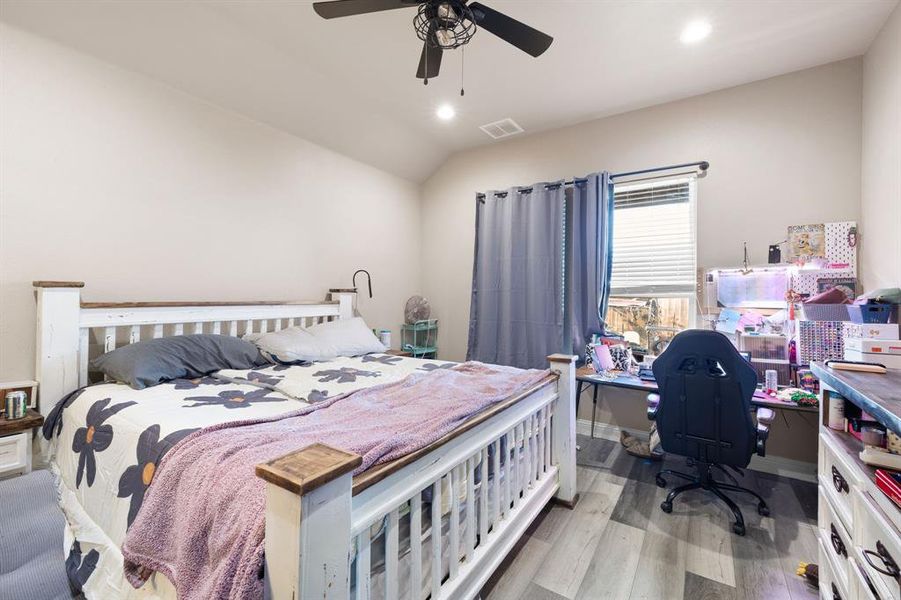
<point x="348" y="8"/>
<point x="430" y="57"/>
<point x="527" y="39"/>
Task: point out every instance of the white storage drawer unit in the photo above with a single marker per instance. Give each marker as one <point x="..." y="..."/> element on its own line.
<point x="14" y="454"/>
<point x="859" y="527"/>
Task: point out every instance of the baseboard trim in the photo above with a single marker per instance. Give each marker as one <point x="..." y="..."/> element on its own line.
<point x="775" y="465"/>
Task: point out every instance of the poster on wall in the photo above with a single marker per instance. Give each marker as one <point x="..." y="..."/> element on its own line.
<point x="806" y="242"/>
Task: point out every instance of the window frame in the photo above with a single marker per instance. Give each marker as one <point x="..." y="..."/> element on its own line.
<point x="692" y="295"/>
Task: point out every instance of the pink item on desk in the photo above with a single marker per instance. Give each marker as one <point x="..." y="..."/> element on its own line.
<point x="603" y="361"/>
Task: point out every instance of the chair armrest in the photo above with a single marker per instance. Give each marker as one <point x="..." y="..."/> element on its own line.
<point x="765" y="416"/>
<point x="653" y="404"/>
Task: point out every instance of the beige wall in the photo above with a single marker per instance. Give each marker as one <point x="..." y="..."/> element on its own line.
<point x="782" y="151"/>
<point x="149" y="194"/>
<point x="880" y="204"/>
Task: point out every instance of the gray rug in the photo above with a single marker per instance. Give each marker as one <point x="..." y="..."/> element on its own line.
<point x="32" y="561"/>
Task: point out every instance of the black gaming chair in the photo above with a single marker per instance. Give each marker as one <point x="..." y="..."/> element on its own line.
<point x="703" y="412"/>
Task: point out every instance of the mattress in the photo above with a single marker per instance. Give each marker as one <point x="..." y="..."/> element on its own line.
<point x="108" y="438"/>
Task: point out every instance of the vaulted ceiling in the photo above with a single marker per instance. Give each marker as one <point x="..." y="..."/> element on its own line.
<point x="348" y="84"/>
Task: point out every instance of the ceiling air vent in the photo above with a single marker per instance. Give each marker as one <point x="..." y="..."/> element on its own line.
<point x="501" y="129"/>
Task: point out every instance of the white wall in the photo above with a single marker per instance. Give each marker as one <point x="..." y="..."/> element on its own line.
<point x="146" y="193"/>
<point x="782" y="151"/>
<point x="880" y="204"/>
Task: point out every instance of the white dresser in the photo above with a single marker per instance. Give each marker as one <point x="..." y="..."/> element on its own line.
<point x="859" y="527"/>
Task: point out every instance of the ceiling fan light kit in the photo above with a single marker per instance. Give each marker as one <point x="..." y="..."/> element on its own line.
<point x="445" y="25"/>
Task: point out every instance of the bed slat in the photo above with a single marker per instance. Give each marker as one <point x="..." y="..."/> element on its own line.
<point x="391" y="554"/>
<point x="364" y="567"/>
<point x="436" y="539"/>
<point x="157" y="331"/>
<point x="134" y="334"/>
<point x="470" y="508"/>
<point x="483" y="493"/>
<point x="453" y="552"/>
<point x="179" y="329"/>
<point x="416" y="546"/>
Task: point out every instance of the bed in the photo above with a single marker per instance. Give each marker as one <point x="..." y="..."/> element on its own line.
<point x="328" y="533"/>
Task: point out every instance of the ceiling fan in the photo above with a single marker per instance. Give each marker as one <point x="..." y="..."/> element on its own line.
<point x="445" y="25"/>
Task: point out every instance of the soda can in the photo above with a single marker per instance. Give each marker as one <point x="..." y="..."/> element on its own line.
<point x="16" y="404"/>
<point x="771" y="380"/>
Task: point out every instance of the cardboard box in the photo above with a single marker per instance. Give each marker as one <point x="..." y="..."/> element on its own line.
<point x="873" y="346"/>
<point x="873" y="331"/>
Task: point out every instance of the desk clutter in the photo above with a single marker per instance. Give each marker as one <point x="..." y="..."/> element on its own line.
<point x="788" y="315"/>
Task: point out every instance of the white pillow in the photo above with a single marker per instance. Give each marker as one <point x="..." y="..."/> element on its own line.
<point x="292" y="345"/>
<point x="350" y="337"/>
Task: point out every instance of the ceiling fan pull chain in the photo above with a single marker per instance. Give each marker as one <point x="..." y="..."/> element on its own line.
<point x="462" y="69"/>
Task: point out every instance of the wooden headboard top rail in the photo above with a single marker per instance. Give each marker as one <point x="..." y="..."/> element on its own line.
<point x="206" y="303"/>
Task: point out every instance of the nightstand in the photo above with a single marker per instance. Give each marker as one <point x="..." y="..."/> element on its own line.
<point x="15" y="443"/>
<point x="398" y="353"/>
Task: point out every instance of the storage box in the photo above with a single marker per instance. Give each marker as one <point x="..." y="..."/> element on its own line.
<point x="873" y="331"/>
<point x="873" y="346"/>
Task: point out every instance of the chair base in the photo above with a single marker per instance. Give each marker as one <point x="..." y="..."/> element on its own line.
<point x="704" y="481"/>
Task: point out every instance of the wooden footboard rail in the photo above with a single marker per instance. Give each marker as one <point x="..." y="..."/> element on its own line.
<point x="462" y="504"/>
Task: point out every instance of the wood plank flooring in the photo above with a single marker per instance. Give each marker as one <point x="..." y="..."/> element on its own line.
<point x="618" y="544"/>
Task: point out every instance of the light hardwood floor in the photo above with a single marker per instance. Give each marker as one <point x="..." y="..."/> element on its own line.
<point x="618" y="544"/>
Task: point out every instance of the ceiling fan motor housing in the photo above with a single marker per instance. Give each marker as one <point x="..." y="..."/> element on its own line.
<point x="445" y="24"/>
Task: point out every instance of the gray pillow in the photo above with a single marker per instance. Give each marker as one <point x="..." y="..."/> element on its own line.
<point x="147" y="363"/>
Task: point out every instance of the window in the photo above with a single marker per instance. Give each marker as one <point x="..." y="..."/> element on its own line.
<point x="654" y="274"/>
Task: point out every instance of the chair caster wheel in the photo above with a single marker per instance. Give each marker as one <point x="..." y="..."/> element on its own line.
<point x="666" y="507"/>
<point x="763" y="510"/>
<point x="738" y="529"/>
<point x="661" y="482"/>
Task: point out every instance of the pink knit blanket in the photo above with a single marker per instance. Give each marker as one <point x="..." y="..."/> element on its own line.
<point x="203" y="518"/>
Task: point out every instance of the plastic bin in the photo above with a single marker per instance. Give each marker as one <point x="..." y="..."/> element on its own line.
<point x="873" y="313"/>
<point x="825" y="312"/>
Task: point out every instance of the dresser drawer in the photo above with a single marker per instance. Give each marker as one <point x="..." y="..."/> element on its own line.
<point x="830" y="587"/>
<point x="878" y="545"/>
<point x="837" y="477"/>
<point x="14" y="453"/>
<point x="836" y="540"/>
<point x="863" y="588"/>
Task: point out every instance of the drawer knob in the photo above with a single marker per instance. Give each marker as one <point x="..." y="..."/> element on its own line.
<point x="835" y="594"/>
<point x="837" y="542"/>
<point x="840" y="483"/>
<point x="887" y="565"/>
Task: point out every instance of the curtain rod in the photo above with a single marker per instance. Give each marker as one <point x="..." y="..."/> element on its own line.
<point x="703" y="165"/>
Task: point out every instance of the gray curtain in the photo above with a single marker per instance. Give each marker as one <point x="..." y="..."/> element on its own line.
<point x="516" y="314"/>
<point x="591" y="202"/>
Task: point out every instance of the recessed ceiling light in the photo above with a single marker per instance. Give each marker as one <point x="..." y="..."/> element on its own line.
<point x="695" y="31"/>
<point x="445" y="112"/>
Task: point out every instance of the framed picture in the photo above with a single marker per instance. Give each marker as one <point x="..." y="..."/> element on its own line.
<point x="29" y="387"/>
<point x="806" y="242"/>
<point x="845" y="284"/>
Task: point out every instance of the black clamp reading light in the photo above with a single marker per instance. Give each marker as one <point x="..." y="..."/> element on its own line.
<point x="368" y="279"/>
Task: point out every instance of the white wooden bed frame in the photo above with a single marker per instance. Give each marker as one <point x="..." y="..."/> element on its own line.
<point x="316" y="510"/>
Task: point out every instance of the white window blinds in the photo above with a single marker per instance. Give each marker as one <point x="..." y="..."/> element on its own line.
<point x="654" y="249"/>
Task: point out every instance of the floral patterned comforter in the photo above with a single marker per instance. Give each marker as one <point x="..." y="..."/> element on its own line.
<point x="106" y="440"/>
